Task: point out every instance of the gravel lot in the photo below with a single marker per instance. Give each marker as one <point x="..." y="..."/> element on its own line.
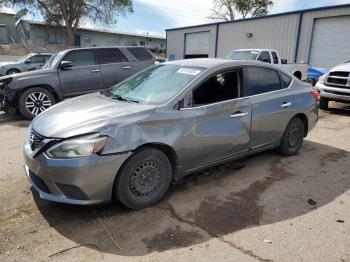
<point x="255" y="209"/>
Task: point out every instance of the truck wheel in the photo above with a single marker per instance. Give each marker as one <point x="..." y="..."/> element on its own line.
<point x="12" y="71"/>
<point x="34" y="101"/>
<point x="323" y="103"/>
<point x="298" y="75"/>
<point x="144" y="179"/>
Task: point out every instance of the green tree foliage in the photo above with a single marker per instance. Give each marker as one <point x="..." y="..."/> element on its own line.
<point x="227" y="9"/>
<point x="69" y="13"/>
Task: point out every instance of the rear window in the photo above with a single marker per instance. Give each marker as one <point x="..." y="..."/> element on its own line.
<point x="140" y="53"/>
<point x="262" y="80"/>
<point x="110" y="56"/>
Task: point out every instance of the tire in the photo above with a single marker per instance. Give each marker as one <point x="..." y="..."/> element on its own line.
<point x="293" y="138"/>
<point x="323" y="104"/>
<point x="144" y="179"/>
<point x="12" y="71"/>
<point x="34" y="101"/>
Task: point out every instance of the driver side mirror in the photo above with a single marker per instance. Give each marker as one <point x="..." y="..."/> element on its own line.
<point x="66" y="64"/>
<point x="265" y="60"/>
<point x="28" y="62"/>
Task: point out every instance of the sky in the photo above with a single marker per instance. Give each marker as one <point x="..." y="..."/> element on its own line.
<point x="154" y="16"/>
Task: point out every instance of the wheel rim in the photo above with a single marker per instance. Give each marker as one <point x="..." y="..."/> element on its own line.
<point x="37" y="102"/>
<point x="145" y="179"/>
<point x="293" y="137"/>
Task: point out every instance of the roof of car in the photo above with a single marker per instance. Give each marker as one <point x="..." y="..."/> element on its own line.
<point x="213" y="62"/>
<point x="102" y="47"/>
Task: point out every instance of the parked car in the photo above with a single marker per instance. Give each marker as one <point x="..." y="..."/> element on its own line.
<point x="272" y="57"/>
<point x="33" y="61"/>
<point x="170" y="120"/>
<point x="71" y="73"/>
<point x="314" y="73"/>
<point x="335" y="86"/>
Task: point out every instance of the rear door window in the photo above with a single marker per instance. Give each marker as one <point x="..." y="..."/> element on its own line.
<point x="81" y="58"/>
<point x="264" y="57"/>
<point x="285" y="80"/>
<point x="111" y="55"/>
<point x="261" y="80"/>
<point x="141" y="54"/>
<point x="274" y="57"/>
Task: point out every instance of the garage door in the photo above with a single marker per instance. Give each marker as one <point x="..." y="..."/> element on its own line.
<point x="197" y="45"/>
<point x="331" y="42"/>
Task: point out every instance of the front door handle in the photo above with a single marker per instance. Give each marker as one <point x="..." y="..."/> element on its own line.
<point x="239" y="114"/>
<point x="126" y="67"/>
<point x="95" y="70"/>
<point x="286" y="104"/>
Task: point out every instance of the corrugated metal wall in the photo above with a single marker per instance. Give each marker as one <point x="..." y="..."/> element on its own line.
<point x="277" y="32"/>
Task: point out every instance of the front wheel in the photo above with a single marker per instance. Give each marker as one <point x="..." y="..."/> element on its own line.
<point x="144" y="179"/>
<point x="34" y="101"/>
<point x="323" y="103"/>
<point x="293" y="137"/>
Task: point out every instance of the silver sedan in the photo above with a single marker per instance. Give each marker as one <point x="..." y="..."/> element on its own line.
<point x="170" y="120"/>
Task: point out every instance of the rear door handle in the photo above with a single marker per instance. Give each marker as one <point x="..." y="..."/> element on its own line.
<point x="95" y="70"/>
<point x="126" y="67"/>
<point x="239" y="114"/>
<point x="286" y="104"/>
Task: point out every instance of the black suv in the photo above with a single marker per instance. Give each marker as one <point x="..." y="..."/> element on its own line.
<point x="70" y="73"/>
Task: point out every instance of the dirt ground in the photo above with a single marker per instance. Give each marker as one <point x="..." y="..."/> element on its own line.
<point x="262" y="208"/>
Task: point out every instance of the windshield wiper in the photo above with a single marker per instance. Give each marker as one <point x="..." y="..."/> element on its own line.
<point x="121" y="98"/>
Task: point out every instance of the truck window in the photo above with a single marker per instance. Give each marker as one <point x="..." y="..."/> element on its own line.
<point x="274" y="57"/>
<point x="141" y="54"/>
<point x="262" y="80"/>
<point x="111" y="55"/>
<point x="264" y="57"/>
<point x="81" y="58"/>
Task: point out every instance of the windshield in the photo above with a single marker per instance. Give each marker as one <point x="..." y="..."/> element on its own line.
<point x="156" y="84"/>
<point x="23" y="59"/>
<point x="243" y="55"/>
<point x="54" y="59"/>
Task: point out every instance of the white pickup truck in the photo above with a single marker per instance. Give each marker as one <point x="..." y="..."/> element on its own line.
<point x="272" y="57"/>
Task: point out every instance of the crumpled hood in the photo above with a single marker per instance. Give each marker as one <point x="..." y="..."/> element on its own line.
<point x="343" y="67"/>
<point x="87" y="114"/>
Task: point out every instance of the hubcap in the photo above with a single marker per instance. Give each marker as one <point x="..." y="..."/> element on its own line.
<point x="37" y="102"/>
<point x="293" y="137"/>
<point x="145" y="179"/>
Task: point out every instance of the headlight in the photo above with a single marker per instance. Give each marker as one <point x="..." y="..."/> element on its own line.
<point x="322" y="79"/>
<point x="77" y="147"/>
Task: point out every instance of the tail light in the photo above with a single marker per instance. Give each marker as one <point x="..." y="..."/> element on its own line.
<point x="315" y="94"/>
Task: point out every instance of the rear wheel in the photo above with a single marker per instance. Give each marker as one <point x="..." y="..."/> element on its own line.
<point x="144" y="179"/>
<point x="293" y="137"/>
<point x="34" y="101"/>
<point x="323" y="103"/>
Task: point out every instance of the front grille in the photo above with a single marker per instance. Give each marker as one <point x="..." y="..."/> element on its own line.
<point x="38" y="182"/>
<point x="340" y="74"/>
<point x="35" y="139"/>
<point x="72" y="192"/>
<point x="337" y="81"/>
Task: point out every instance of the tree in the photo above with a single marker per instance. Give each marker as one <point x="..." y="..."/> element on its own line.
<point x="69" y="13"/>
<point x="227" y="9"/>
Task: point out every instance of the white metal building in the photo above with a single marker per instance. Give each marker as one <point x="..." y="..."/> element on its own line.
<point x="319" y="36"/>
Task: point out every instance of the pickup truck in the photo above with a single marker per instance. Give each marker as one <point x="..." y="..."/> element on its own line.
<point x="68" y="74"/>
<point x="335" y="85"/>
<point x="272" y="57"/>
